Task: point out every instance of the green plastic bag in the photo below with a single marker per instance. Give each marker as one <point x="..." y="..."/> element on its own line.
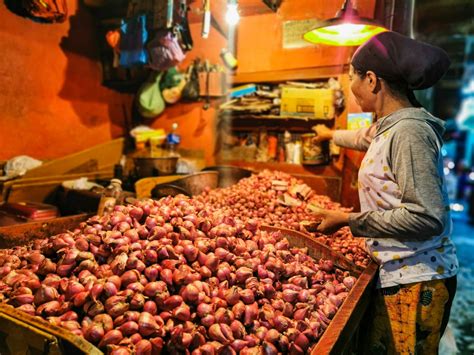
<point x="150" y="99"/>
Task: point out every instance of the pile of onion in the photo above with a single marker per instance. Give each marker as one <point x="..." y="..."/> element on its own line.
<point x="257" y="198"/>
<point x="176" y="276"/>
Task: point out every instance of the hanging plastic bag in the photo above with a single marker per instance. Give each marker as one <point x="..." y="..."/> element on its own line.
<point x="161" y="14"/>
<point x="46" y="10"/>
<point x="113" y="40"/>
<point x="132" y="42"/>
<point x="149" y="99"/>
<point x="182" y="27"/>
<point x="191" y="89"/>
<point x="172" y="85"/>
<point x="18" y="166"/>
<point x="165" y="51"/>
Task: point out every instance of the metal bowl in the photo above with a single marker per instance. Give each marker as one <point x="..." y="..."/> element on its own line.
<point x="158" y="166"/>
<point x="229" y="175"/>
<point x="163" y="190"/>
<point x="189" y="185"/>
<point x="196" y="183"/>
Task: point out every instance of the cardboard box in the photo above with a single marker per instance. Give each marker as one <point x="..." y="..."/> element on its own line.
<point x="316" y="103"/>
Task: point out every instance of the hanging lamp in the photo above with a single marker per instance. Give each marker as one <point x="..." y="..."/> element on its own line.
<point x="346" y="29"/>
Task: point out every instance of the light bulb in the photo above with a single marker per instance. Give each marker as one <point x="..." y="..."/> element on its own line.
<point x="232" y="16"/>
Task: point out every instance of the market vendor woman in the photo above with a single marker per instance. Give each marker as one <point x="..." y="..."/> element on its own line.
<point x="404" y="205"/>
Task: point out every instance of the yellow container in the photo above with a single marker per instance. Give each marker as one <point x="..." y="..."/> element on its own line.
<point x="317" y="103"/>
<point x="155" y="137"/>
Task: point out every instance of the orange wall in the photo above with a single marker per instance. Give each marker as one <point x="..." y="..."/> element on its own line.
<point x="52" y="102"/>
<point x="51" y="99"/>
<point x="261" y="37"/>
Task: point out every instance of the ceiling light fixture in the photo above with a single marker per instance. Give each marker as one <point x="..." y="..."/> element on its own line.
<point x="232" y="16"/>
<point x="346" y="29"/>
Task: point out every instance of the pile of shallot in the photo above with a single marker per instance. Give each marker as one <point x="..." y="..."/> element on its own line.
<point x="174" y="276"/>
<point x="273" y="198"/>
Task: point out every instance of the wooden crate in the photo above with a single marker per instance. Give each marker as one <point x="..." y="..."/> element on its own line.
<point x="21" y="333"/>
<point x="341" y="335"/>
<point x="338" y="337"/>
<point x="21" y="234"/>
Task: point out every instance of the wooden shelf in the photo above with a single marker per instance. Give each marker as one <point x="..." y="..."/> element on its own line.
<point x="271" y="122"/>
<point x="289" y="74"/>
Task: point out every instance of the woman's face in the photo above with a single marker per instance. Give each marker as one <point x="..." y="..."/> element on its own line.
<point x="362" y="91"/>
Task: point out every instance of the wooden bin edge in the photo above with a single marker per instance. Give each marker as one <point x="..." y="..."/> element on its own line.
<point x="79" y="342"/>
<point x="345" y="322"/>
<point x="347" y="318"/>
<point x="340" y="260"/>
<point x="22" y="234"/>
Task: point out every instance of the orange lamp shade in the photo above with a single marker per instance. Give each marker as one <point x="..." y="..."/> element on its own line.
<point x="347" y="28"/>
<point x="343" y="34"/>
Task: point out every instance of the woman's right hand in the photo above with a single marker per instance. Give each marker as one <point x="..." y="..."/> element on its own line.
<point x="322" y="133"/>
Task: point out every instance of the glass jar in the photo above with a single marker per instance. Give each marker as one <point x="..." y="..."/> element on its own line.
<point x="314" y="153"/>
<point x="110" y="197"/>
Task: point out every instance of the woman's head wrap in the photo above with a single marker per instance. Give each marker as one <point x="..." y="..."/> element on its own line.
<point x="400" y="59"/>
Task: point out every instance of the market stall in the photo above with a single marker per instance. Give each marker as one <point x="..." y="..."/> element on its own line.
<point x="225" y="177"/>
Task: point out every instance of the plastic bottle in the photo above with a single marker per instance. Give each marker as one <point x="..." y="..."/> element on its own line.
<point x="118" y="172"/>
<point x="272" y="147"/>
<point x="281" y="149"/>
<point x="289" y="147"/>
<point x="110" y="197"/>
<point x="172" y="141"/>
<point x="229" y="59"/>
<point x="297" y="152"/>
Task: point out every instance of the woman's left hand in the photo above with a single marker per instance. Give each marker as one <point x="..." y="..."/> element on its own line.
<point x="332" y="220"/>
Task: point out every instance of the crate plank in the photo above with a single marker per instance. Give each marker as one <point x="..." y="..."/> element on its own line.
<point x="99" y="156"/>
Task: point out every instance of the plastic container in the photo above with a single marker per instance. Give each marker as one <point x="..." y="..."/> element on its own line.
<point x="30" y="210"/>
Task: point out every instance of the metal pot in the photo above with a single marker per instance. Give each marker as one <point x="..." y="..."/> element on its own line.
<point x="229" y="175"/>
<point x="159" y="166"/>
<point x="190" y="185"/>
